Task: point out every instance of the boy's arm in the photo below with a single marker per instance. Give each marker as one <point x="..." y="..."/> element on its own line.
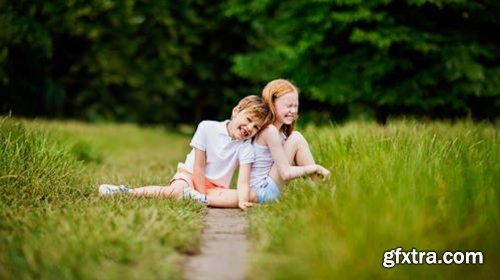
<point x="200" y="160"/>
<point x="243" y="186"/>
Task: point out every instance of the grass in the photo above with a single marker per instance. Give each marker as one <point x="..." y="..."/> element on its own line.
<point x="53" y="224"/>
<point x="428" y="186"/>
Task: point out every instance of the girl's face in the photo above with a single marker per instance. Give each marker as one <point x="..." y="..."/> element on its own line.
<point x="287" y="107"/>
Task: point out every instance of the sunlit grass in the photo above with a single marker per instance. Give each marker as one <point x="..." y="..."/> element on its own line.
<point x="53" y="224"/>
<point x="429" y="186"/>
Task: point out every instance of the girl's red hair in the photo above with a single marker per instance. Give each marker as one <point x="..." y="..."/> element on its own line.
<point x="273" y="90"/>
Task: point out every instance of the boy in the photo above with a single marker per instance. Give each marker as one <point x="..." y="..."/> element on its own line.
<point x="218" y="147"/>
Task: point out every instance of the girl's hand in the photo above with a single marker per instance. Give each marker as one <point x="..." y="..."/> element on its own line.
<point x="322" y="172"/>
<point x="244" y="205"/>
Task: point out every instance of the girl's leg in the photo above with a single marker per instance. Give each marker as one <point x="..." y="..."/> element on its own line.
<point x="226" y="198"/>
<point x="297" y="149"/>
<point x="297" y="152"/>
<point x="175" y="190"/>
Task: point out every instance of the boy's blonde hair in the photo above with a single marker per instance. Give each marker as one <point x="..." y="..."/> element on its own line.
<point x="273" y="90"/>
<point x="256" y="107"/>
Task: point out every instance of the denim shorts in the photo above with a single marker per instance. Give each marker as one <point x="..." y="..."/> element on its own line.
<point x="268" y="191"/>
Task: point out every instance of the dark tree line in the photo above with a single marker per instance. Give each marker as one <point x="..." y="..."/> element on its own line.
<point x="183" y="61"/>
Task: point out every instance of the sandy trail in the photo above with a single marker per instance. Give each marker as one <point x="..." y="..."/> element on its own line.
<point x="224" y="248"/>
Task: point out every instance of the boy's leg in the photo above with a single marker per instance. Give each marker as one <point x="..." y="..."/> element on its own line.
<point x="175" y="190"/>
<point x="297" y="152"/>
<point x="181" y="186"/>
<point x="226" y="198"/>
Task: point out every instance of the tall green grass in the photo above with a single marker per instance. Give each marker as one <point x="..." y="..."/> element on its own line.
<point x="53" y="224"/>
<point x="428" y="186"/>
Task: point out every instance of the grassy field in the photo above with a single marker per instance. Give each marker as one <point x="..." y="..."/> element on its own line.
<point x="428" y="186"/>
<point x="54" y="226"/>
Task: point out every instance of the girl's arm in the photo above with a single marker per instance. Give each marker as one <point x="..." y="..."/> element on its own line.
<point x="200" y="160"/>
<point x="243" y="186"/>
<point x="285" y="169"/>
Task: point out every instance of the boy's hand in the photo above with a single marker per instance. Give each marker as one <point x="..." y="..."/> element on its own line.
<point x="322" y="172"/>
<point x="244" y="205"/>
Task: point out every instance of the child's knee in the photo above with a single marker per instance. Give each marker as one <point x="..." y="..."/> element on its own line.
<point x="174" y="191"/>
<point x="179" y="183"/>
<point x="297" y="138"/>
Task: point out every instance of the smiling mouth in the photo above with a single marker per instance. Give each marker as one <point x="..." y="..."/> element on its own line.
<point x="244" y="133"/>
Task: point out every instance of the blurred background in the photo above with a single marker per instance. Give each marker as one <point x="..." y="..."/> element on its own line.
<point x="178" y="62"/>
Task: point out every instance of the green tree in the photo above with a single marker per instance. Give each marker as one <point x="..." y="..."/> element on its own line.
<point x="170" y="62"/>
<point x="437" y="57"/>
<point x="133" y="60"/>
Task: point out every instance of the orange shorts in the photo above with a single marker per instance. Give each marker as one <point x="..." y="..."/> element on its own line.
<point x="184" y="175"/>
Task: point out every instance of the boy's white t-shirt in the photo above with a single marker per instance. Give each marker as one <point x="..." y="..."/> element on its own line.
<point x="223" y="154"/>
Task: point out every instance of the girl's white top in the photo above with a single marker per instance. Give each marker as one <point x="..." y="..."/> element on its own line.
<point x="262" y="164"/>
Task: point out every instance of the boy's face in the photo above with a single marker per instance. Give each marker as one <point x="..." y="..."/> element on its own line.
<point x="243" y="125"/>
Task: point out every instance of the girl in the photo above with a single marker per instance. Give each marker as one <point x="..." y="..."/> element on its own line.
<point x="281" y="154"/>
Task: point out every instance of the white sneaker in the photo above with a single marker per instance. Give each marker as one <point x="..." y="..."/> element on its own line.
<point x="106" y="189"/>
<point x="191" y="193"/>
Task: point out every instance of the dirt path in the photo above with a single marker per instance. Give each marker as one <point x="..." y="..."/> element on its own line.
<point x="224" y="247"/>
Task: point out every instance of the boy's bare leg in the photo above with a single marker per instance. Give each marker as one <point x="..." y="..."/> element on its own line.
<point x="175" y="190"/>
<point x="226" y="198"/>
<point x="297" y="152"/>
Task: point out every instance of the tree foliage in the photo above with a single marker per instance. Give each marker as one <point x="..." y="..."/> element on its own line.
<point x="141" y="61"/>
<point x="438" y="57"/>
<point x="171" y="62"/>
